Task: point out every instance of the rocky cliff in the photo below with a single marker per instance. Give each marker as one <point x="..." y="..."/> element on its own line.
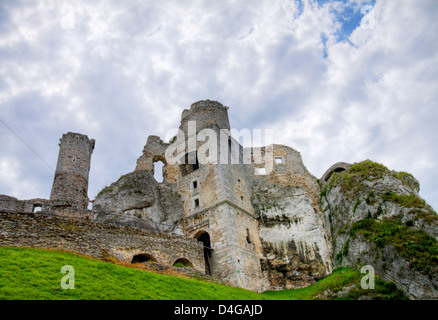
<point x="138" y="200"/>
<point x="296" y="247"/>
<point x="367" y="215"/>
<point x="376" y="217"/>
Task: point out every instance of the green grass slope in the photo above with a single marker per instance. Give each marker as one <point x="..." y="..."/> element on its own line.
<point x="35" y="274"/>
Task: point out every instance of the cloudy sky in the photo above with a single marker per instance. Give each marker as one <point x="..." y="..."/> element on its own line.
<point x="336" y="80"/>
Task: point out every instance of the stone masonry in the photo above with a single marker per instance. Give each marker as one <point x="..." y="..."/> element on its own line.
<point x="252" y="229"/>
<point x="259" y="231"/>
<point x="72" y="169"/>
<point x="98" y="240"/>
<point x="249" y="216"/>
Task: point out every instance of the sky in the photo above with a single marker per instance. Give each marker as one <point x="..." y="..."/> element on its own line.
<point x="336" y="80"/>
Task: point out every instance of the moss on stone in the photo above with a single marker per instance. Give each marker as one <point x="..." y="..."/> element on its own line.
<point x="341" y="254"/>
<point x="351" y="180"/>
<point x="415" y="246"/>
<point x="407" y="201"/>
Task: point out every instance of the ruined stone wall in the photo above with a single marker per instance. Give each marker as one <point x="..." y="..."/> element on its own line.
<point x="253" y="246"/>
<point x="226" y="214"/>
<point x="337" y="167"/>
<point x="60" y="208"/>
<point x="236" y="246"/>
<point x="235" y="183"/>
<point x="200" y="185"/>
<point x="96" y="239"/>
<point x="292" y="172"/>
<point x="72" y="170"/>
<point x="153" y="151"/>
<point x="296" y="247"/>
<point x="10" y="204"/>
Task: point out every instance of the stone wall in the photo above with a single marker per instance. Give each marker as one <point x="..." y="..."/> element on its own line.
<point x="337" y="167"/>
<point x="235" y="242"/>
<point x="296" y="245"/>
<point x="98" y="240"/>
<point x="10" y="204"/>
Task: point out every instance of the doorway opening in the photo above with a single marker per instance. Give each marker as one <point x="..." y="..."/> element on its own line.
<point x="204" y="237"/>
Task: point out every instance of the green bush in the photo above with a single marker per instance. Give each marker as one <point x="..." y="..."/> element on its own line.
<point x="407" y="201"/>
<point x="351" y="180"/>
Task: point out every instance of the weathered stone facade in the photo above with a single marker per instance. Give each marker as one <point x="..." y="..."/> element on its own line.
<point x="254" y="224"/>
<point x="10" y="204"/>
<point x="71" y="175"/>
<point x="221" y="204"/>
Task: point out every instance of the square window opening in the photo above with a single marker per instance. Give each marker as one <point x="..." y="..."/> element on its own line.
<point x="278" y="160"/>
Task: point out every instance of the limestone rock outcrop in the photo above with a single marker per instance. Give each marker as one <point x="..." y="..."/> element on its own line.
<point x="296" y="247"/>
<point x="292" y="235"/>
<point x="138" y="200"/>
<point x="377" y="218"/>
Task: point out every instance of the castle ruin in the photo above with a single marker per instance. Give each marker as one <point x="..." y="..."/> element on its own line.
<point x="253" y="224"/>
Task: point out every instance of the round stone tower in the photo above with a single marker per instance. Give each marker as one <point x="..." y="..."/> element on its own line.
<point x="207" y="114"/>
<point x="71" y="176"/>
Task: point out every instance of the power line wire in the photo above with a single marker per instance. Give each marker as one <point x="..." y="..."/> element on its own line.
<point x="27" y="145"/>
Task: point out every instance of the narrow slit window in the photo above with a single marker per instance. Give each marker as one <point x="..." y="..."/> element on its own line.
<point x="248" y="236"/>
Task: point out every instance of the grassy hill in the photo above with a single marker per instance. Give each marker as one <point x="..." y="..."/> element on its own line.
<point x="35" y="274"/>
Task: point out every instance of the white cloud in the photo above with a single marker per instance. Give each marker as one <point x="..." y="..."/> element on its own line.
<point x="119" y="71"/>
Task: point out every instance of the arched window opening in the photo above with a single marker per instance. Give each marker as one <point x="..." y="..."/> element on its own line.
<point x="204" y="237"/>
<point x="158" y="171"/>
<point x="182" y="262"/>
<point x="333" y="171"/>
<point x="143" y="258"/>
<point x="36" y="208"/>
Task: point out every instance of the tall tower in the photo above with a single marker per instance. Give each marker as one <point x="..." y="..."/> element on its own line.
<point x="71" y="176"/>
<point x="217" y="200"/>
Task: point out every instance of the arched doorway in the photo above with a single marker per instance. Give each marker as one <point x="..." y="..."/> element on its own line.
<point x="159" y="168"/>
<point x="204" y="237"/>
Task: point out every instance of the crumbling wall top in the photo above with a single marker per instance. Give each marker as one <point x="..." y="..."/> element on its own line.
<point x="338" y="166"/>
<point x="207" y="114"/>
